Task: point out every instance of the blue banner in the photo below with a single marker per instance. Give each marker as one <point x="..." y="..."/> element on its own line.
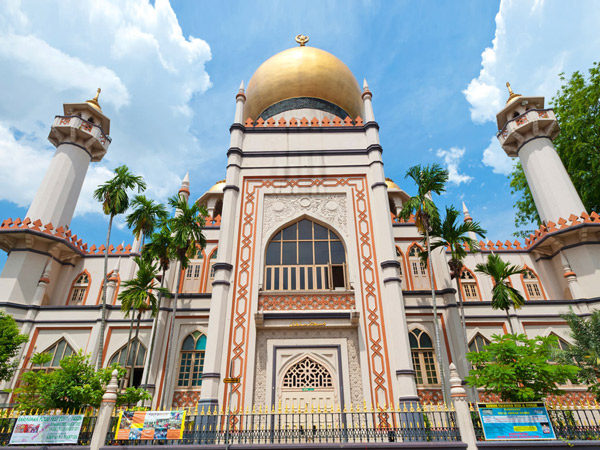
<point x="515" y="421"/>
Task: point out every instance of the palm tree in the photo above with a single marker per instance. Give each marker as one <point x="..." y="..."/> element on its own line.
<point x="503" y="294"/>
<point x="139" y="294"/>
<point x="456" y="236"/>
<point x="186" y="237"/>
<point x="159" y="248"/>
<point x="145" y="217"/>
<point x="115" y="200"/>
<point x="429" y="179"/>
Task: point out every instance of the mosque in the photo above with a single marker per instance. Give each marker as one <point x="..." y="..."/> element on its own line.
<point x="310" y="289"/>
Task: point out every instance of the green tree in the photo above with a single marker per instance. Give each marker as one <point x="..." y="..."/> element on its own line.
<point x="159" y="249"/>
<point x="577" y="109"/>
<point x="114" y="197"/>
<point x="138" y="294"/>
<point x="145" y="217"/>
<point x="10" y="341"/>
<point x="518" y="369"/>
<point x="503" y="294"/>
<point x="585" y="351"/>
<point x="186" y="238"/>
<point x="31" y="385"/>
<point x="429" y="179"/>
<point x="455" y="234"/>
<point x="76" y="385"/>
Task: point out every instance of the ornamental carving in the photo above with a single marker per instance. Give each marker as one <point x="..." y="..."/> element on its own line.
<point x="330" y="208"/>
<point x="295" y="335"/>
<point x="306" y="302"/>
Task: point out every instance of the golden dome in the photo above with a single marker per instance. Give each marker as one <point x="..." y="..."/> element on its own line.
<point x="94" y="102"/>
<point x="218" y="187"/>
<point x="391" y="185"/>
<point x="303" y="72"/>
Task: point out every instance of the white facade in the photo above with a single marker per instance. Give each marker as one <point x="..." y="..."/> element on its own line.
<point x="310" y="289"/>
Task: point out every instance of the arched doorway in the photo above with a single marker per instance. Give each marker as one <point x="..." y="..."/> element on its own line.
<point x="309" y="385"/>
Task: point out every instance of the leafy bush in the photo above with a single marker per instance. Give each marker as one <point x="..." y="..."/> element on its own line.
<point x="76" y="385"/>
<point x="518" y="369"/>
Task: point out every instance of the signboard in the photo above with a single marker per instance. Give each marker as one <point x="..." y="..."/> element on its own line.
<point x="231" y="380"/>
<point x="47" y="429"/>
<point x="141" y="425"/>
<point x="515" y="421"/>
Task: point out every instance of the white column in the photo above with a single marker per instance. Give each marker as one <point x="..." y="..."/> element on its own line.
<point x="217" y="325"/>
<point x="552" y="189"/>
<point x="59" y="191"/>
<point x="383" y="234"/>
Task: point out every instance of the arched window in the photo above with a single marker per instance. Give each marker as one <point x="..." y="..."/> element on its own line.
<point x="400" y="259"/>
<point x="137" y="356"/>
<point x="211" y="269"/>
<point x="477" y="343"/>
<point x="307" y="374"/>
<point x="79" y="289"/>
<point x="562" y="344"/>
<point x="532" y="285"/>
<point x="469" y="285"/>
<point x="305" y="256"/>
<point x="59" y="350"/>
<point x="418" y="269"/>
<point x="423" y="357"/>
<point x="191" y="364"/>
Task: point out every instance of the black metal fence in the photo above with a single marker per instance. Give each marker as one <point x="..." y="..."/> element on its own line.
<point x="9" y="417"/>
<point x="570" y="422"/>
<point x="423" y="423"/>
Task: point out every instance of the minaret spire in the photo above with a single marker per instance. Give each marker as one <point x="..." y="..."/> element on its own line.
<point x="466" y="214"/>
<point x="185" y="186"/>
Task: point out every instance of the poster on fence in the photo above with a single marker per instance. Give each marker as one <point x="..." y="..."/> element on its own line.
<point x="47" y="429"/>
<point x="137" y="425"/>
<point x="515" y="421"/>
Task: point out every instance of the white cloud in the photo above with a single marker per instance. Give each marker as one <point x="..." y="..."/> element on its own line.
<point x="497" y="159"/>
<point x="135" y="52"/>
<point x="452" y="159"/>
<point x="533" y="43"/>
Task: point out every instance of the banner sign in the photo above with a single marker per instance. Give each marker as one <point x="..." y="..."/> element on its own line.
<point x="515" y="421"/>
<point x="135" y="425"/>
<point x="47" y="429"/>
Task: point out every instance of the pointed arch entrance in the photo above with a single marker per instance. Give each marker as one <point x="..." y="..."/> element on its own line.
<point x="307" y="384"/>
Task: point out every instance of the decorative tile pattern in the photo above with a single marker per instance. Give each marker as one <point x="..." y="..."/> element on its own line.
<point x="185" y="399"/>
<point x="306" y="302"/>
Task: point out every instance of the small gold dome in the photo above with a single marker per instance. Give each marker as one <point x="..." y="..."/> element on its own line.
<point x="94" y="102"/>
<point x="391" y="185"/>
<point x="303" y="72"/>
<point x="218" y="187"/>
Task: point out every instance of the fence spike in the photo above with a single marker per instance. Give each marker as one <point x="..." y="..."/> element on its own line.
<point x="412" y="408"/>
<point x="279" y="407"/>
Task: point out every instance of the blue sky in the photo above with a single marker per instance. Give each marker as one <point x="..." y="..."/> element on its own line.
<point x="170" y="71"/>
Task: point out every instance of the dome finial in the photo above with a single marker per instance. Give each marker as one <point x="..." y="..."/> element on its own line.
<point x="94" y="102"/>
<point x="511" y="95"/>
<point x="302" y="40"/>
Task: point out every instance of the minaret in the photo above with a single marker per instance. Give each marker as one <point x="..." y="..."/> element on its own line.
<point x="526" y="130"/>
<point x="80" y="136"/>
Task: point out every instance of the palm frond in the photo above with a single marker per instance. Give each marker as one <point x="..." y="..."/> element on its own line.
<point x="186" y="228"/>
<point x="113" y="193"/>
